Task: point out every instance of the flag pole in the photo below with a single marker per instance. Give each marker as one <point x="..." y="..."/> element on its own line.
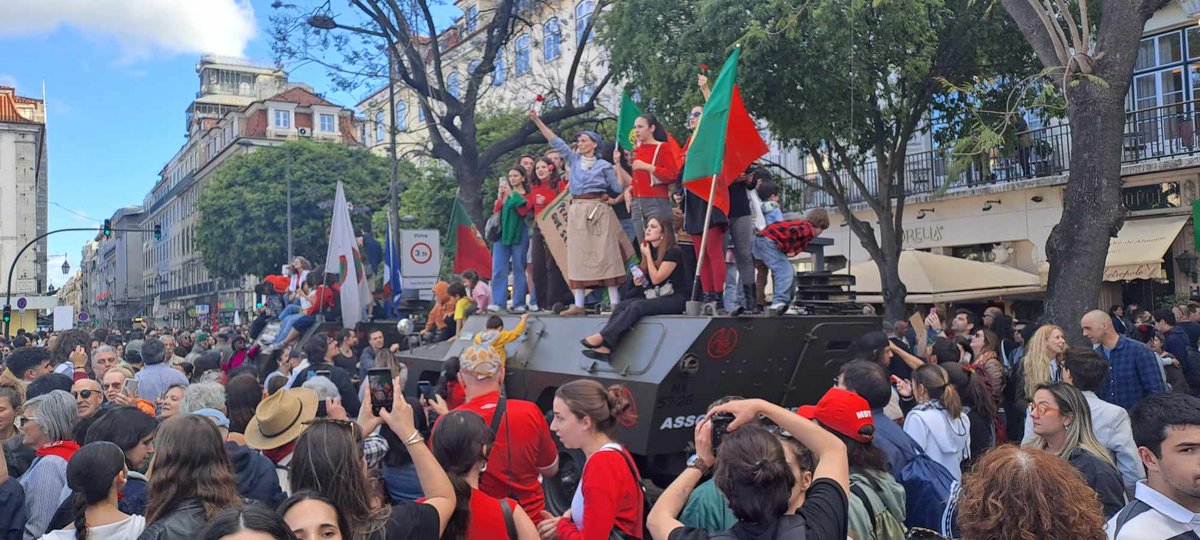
<point x="712" y="192"/>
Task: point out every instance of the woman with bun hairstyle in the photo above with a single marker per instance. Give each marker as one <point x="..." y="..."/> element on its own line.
<point x="609" y="498"/>
<point x="938" y="423"/>
<point x="96" y="475"/>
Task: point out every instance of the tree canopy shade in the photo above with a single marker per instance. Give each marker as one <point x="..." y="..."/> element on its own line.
<point x="356" y="54"/>
<point x="1089" y="48"/>
<point x="243" y="206"/>
<point x="846" y="81"/>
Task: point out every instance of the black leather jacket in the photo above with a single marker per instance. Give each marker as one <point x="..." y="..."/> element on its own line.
<point x="184" y="522"/>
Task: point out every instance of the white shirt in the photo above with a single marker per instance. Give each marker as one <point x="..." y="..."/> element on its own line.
<point x="125" y="529"/>
<point x="1153" y="516"/>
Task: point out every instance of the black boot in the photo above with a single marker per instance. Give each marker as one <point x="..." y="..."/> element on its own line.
<point x="748" y="303"/>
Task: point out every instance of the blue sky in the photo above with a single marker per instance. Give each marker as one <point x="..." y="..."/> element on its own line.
<point x="118" y="76"/>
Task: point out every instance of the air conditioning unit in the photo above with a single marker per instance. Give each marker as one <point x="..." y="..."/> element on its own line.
<point x="304" y="132"/>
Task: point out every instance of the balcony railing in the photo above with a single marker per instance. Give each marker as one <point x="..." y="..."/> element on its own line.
<point x="1150" y="134"/>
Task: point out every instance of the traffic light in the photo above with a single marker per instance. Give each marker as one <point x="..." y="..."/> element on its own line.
<point x="7" y="314"/>
<point x="158" y="232"/>
<point x="107" y="228"/>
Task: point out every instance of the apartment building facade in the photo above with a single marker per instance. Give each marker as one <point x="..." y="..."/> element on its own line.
<point x="241" y="106"/>
<point x="23" y="190"/>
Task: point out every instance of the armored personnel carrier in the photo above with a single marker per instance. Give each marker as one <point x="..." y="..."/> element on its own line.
<point x="673" y="367"/>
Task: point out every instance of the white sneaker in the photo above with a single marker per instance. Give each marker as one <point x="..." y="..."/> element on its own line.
<point x="779" y="309"/>
<point x="492" y="308"/>
<point x="533" y="308"/>
<point x="517" y="310"/>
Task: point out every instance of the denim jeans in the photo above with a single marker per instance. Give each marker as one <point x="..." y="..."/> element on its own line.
<point x="402" y="482"/>
<point x="782" y="272"/>
<point x="506" y="259"/>
<point x="287" y="319"/>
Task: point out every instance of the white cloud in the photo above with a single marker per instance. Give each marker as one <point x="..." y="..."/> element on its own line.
<point x="141" y="27"/>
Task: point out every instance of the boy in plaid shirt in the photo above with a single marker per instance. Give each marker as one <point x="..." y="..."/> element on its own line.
<point x="781" y="240"/>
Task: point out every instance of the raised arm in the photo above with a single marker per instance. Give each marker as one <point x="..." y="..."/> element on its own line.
<point x="828" y="450"/>
<point x="537" y="121"/>
<point x="439" y="492"/>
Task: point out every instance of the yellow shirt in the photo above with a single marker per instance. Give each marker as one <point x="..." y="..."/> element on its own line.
<point x="499" y="338"/>
<point x="460" y="308"/>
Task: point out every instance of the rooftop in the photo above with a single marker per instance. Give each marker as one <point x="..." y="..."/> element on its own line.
<point x="9" y="112"/>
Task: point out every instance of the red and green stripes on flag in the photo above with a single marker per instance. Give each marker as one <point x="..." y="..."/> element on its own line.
<point x="725" y="142"/>
<point x="464" y="240"/>
<point x="625" y="119"/>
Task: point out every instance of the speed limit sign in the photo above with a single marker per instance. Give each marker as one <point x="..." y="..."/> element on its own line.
<point x="420" y="257"/>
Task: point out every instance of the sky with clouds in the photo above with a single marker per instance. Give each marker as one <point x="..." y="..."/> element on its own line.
<point x="118" y="75"/>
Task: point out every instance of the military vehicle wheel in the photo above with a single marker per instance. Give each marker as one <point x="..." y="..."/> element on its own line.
<point x="561" y="489"/>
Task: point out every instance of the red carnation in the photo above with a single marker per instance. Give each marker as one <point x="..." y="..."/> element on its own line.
<point x="703" y="67"/>
<point x="539" y="98"/>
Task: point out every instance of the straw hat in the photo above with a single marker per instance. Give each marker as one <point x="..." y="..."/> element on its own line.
<point x="280" y="418"/>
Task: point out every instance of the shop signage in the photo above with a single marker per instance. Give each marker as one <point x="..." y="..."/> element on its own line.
<point x="1151" y="197"/>
<point x="916" y="236"/>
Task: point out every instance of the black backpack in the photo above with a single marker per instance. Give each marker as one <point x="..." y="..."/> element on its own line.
<point x="616" y="534"/>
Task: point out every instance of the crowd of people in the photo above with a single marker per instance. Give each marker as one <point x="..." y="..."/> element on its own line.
<point x="157" y="434"/>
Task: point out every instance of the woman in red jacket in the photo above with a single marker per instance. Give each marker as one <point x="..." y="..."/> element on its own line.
<point x="609" y="497"/>
<point x="654" y="167"/>
<point x="549" y="286"/>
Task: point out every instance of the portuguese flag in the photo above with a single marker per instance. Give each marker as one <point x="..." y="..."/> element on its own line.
<point x="625" y="119"/>
<point x="725" y="142"/>
<point x="470" y="251"/>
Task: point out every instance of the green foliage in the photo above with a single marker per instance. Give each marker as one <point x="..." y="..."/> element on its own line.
<point x="243" y="222"/>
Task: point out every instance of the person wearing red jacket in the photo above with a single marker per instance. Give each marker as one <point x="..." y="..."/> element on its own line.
<point x="549" y="287"/>
<point x="655" y="166"/>
<point x="609" y="497"/>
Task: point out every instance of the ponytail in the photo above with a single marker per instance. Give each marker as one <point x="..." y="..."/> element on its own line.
<point x="936" y="382"/>
<point x="79" y="507"/>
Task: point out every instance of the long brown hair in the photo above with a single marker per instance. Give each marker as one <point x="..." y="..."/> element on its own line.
<point x="554" y="173"/>
<point x="328" y="459"/>
<point x="190" y="462"/>
<point x="1026" y="494"/>
<point x="666" y="244"/>
<point x="936" y="382"/>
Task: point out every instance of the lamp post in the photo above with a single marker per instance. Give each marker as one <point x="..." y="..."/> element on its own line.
<point x="247" y="143"/>
<point x="326" y="22"/>
<point x="1187" y="264"/>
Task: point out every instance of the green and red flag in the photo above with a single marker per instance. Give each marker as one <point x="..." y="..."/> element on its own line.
<point x="725" y="142"/>
<point x="625" y="119"/>
<point x="470" y="251"/>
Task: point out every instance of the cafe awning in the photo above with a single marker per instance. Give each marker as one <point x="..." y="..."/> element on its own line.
<point x="1137" y="251"/>
<point x="933" y="278"/>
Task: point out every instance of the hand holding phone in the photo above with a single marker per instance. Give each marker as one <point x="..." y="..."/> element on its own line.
<point x="379" y="381"/>
<point x="425" y="390"/>
<point x="720" y="426"/>
<point x="131" y="388"/>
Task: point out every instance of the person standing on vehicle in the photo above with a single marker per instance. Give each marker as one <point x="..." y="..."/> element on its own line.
<point x="654" y="168"/>
<point x="508" y="252"/>
<point x="779" y="241"/>
<point x="610" y="497"/>
<point x="594" y="257"/>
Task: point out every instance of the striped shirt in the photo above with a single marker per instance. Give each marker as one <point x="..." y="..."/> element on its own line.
<point x="45" y="485"/>
<point x="1153" y="516"/>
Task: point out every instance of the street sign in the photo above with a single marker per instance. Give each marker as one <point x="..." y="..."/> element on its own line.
<point x="22" y="302"/>
<point x="420" y="254"/>
<point x="83" y="316"/>
<point x="202" y="309"/>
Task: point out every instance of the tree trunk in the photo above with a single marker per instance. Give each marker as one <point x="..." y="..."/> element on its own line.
<point x="1092" y="208"/>
<point x="470" y="186"/>
<point x="894" y="291"/>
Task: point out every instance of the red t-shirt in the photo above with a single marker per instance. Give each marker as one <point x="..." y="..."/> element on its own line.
<point x="525" y="423"/>
<point x="610" y="496"/>
<point x="324" y="299"/>
<point x="545" y="190"/>
<point x="665" y="169"/>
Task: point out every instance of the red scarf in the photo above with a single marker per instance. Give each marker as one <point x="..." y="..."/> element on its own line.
<point x="62" y="449"/>
<point x="277" y="454"/>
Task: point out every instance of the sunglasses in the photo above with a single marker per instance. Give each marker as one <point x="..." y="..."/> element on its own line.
<point x="22" y="420"/>
<point x="1040" y="409"/>
<point x="694" y="115"/>
<point x="85" y="394"/>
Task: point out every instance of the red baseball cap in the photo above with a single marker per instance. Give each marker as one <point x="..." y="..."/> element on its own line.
<point x="842" y="411"/>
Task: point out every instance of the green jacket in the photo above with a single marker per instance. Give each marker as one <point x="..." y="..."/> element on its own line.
<point x="708" y="509"/>
<point x="886" y="490"/>
<point x="511" y="222"/>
